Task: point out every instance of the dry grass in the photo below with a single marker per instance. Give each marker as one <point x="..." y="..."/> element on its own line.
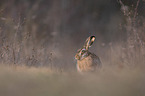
<point x="24" y="81"/>
<point x="37" y="49"/>
<point x="29" y="37"/>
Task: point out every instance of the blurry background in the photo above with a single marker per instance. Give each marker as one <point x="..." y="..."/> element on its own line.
<point x="49" y="32"/>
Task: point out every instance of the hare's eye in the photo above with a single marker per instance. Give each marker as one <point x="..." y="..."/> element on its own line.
<point x="83" y="51"/>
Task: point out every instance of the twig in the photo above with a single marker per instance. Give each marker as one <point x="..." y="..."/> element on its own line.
<point x="135" y="14"/>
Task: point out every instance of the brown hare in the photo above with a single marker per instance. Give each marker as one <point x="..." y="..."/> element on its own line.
<point x="87" y="61"/>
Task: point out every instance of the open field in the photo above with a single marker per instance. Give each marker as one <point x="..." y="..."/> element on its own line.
<point x="39" y="39"/>
<point x="24" y="81"/>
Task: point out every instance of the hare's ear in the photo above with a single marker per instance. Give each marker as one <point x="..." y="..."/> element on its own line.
<point x="89" y="42"/>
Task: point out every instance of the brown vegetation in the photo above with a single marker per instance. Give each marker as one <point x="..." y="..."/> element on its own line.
<point x="38" y="41"/>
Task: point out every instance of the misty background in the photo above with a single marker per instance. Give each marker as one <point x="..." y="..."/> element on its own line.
<point x="49" y="32"/>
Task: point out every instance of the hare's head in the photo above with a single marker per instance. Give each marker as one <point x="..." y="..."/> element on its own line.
<point x="83" y="52"/>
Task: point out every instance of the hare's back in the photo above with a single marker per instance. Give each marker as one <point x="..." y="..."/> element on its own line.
<point x="89" y="63"/>
<point x="95" y="60"/>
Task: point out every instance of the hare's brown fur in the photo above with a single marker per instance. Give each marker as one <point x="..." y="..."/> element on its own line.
<point x="90" y="63"/>
<point x="87" y="61"/>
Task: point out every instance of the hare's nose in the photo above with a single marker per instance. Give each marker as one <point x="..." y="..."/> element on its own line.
<point x="74" y="59"/>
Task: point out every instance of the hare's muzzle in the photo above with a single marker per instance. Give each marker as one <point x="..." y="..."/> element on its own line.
<point x="77" y="57"/>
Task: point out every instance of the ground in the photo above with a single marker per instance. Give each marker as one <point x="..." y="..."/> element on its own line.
<point x="26" y="81"/>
